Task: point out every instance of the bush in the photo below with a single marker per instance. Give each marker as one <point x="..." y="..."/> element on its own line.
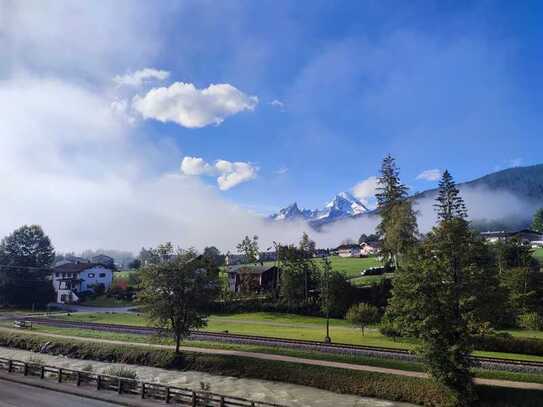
<point x="389" y="330"/>
<point x="509" y="344"/>
<point x="531" y="320"/>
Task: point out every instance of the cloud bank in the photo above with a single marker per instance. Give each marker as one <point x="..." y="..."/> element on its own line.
<point x="184" y="104"/>
<point x="365" y="191"/>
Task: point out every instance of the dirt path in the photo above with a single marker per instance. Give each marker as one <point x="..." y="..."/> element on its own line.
<point x="290" y="359"/>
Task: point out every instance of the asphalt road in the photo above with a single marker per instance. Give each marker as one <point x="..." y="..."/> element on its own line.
<point x="21" y="395"/>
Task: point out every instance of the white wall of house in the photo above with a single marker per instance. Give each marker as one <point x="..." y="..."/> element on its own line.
<point x="95" y="275"/>
<point x="353" y="252"/>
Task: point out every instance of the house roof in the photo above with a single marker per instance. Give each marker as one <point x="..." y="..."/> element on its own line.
<point x="348" y="247"/>
<point x="77" y="267"/>
<point x="249" y="268"/>
<point x="501" y="233"/>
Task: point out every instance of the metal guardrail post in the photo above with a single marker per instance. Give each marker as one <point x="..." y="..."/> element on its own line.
<point x="168" y="396"/>
<point x="142" y="390"/>
<point x="221" y="401"/>
<point x="78" y="379"/>
<point x="60" y="375"/>
<point x="193" y="399"/>
<point x="98" y="378"/>
<point x="120" y="388"/>
<point x="10" y="366"/>
<point x="42" y="372"/>
<point x="25" y="369"/>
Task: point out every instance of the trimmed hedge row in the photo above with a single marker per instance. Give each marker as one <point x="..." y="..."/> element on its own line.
<point x="368" y="384"/>
<point x="509" y="344"/>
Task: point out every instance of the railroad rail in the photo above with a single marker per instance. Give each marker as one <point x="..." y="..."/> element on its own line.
<point x="122" y="385"/>
<point x="338" y="348"/>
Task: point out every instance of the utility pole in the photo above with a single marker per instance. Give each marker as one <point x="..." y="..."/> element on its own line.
<point x="326" y="287"/>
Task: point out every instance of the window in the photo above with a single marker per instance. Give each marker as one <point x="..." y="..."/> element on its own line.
<point x="57" y="275"/>
<point x="91" y="275"/>
<point x="102" y="275"/>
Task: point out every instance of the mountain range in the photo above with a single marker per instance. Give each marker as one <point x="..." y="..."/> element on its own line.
<point x="343" y="205"/>
<point x="522" y="183"/>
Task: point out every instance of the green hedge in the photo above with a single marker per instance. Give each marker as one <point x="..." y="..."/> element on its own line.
<point x="509" y="344"/>
<point x="368" y="384"/>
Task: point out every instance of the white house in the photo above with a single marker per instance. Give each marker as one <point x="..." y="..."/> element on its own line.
<point x="348" y="250"/>
<point x="71" y="279"/>
<point x="370" y="248"/>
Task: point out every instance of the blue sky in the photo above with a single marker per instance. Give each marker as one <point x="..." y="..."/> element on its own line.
<point x="436" y="84"/>
<point x="273" y="102"/>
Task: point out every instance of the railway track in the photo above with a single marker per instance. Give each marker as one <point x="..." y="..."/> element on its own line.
<point x="338" y="348"/>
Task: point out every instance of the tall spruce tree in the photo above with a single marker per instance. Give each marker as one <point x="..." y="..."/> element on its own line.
<point x="398" y="227"/>
<point x="450" y="204"/>
<point x="436" y="294"/>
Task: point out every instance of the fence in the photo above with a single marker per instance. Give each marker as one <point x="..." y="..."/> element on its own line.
<point x="166" y="394"/>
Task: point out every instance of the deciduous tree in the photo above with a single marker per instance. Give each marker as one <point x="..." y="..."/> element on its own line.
<point x="177" y="293"/>
<point x="249" y="247"/>
<point x="363" y="315"/>
<point x="25" y="260"/>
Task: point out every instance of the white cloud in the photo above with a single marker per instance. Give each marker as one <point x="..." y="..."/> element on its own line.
<point x="138" y="78"/>
<point x="277" y="103"/>
<point x="282" y="171"/>
<point x="184" y="104"/>
<point x="233" y="174"/>
<point x="365" y="190"/>
<point x="196" y="166"/>
<point x="430" y="175"/>
<point x="229" y="173"/>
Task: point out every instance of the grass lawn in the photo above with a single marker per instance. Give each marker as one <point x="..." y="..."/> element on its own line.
<point x="538" y="253"/>
<point x="352" y="266"/>
<point x="369" y="280"/>
<point x="295" y="327"/>
<point x="104" y="301"/>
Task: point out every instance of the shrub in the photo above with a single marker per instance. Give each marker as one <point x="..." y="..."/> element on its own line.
<point x="509" y="344"/>
<point x="389" y="330"/>
<point x="531" y="320"/>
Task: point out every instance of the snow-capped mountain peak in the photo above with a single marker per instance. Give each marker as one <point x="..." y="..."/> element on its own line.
<point x="343" y="205"/>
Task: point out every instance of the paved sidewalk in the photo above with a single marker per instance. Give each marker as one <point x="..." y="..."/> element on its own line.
<point x="292" y="359"/>
<point x="86" y="393"/>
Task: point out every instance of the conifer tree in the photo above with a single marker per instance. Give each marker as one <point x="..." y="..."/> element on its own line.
<point x="398" y="227"/>
<point x="450" y="204"/>
<point x="437" y="294"/>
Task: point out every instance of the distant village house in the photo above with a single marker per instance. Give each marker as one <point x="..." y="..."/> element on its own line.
<point x="254" y="278"/>
<point x="72" y="279"/>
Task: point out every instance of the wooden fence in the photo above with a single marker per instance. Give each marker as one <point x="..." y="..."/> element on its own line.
<point x="121" y="385"/>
